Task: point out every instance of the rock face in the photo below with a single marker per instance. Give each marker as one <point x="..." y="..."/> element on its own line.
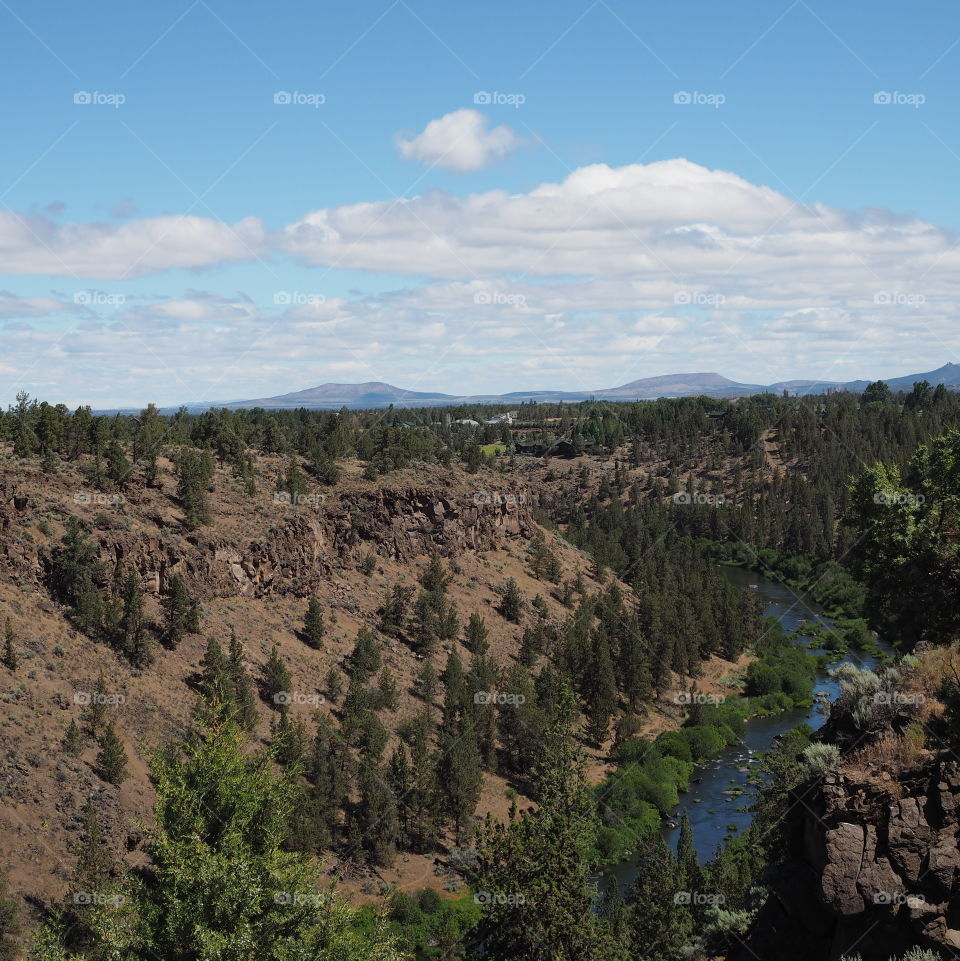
<point x="302" y="548"/>
<point x="869" y="872"/>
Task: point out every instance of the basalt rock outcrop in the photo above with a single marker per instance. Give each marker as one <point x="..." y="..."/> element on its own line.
<point x="296" y="552"/>
<point x="873" y="868"/>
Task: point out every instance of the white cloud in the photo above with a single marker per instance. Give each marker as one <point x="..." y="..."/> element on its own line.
<point x="459" y="141"/>
<point x="30" y="244"/>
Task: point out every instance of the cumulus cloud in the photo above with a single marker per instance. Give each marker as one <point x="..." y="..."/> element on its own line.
<point x="606" y="276"/>
<point x="460" y="141"/>
<point x="31" y="244"/>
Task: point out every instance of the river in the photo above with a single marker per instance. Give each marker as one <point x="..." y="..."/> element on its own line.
<point x="714" y="813"/>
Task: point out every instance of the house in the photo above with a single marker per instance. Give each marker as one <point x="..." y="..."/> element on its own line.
<point x="466" y="422"/>
<point x="530" y="449"/>
<point x="563" y="448"/>
<point x="508" y="418"/>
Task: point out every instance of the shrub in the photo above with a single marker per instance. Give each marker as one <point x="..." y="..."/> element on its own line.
<point x="820" y="759"/>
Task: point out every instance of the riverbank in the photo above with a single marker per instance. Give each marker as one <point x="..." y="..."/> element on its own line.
<point x="719" y="790"/>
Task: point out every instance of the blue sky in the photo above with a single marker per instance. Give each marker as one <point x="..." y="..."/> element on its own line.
<point x="647" y="189"/>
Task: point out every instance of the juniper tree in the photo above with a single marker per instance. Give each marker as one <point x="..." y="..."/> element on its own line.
<point x="194" y="473"/>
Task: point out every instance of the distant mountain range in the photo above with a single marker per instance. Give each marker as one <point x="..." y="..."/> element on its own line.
<point x="375" y="394"/>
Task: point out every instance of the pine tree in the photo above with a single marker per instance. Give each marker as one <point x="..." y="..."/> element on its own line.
<point x="182" y="615"/>
<point x="10" y="657"/>
<point x="276" y="680"/>
<point x="313" y="625"/>
<point x="72" y="743"/>
<point x="475" y="635"/>
<point x="459" y="776"/>
<point x="535" y="872"/>
<point x="244" y="697"/>
<point x="365" y="658"/>
<point x="376" y="819"/>
<point x="93" y="873"/>
<point x="435" y="579"/>
<point x="112" y="757"/>
<point x="131" y="631"/>
<point x="387" y="690"/>
<point x="659" y="921"/>
<point x="511" y="601"/>
<point x="195" y="472"/>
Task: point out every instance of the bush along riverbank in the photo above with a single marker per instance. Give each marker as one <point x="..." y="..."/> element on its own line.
<point x="650" y="775"/>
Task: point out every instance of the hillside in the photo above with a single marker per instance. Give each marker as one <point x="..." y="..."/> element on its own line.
<point x="252" y="570"/>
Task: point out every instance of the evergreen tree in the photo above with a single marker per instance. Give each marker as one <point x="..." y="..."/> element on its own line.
<point x="219" y="884"/>
<point x="93" y="874"/>
<point x="365" y="658"/>
<point x="277" y="680"/>
<point x="659" y="921"/>
<point x="72" y="743"/>
<point x="511" y="600"/>
<point x="533" y="876"/>
<point x="182" y="615"/>
<point x="475" y="635"/>
<point x="10" y="657"/>
<point x="112" y="757"/>
<point x="313" y="625"/>
<point x="244" y="697"/>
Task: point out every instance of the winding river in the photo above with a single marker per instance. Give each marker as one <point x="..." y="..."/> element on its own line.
<point x="714" y="803"/>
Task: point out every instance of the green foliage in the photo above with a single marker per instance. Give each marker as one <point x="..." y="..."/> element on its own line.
<point x="112" y="757"/>
<point x="314" y="627"/>
<point x="532" y="876"/>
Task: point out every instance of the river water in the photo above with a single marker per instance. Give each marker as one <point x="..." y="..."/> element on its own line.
<point x="714" y="812"/>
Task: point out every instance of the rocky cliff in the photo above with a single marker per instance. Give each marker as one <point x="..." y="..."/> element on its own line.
<point x="291" y="550"/>
<point x="873" y="868"/>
